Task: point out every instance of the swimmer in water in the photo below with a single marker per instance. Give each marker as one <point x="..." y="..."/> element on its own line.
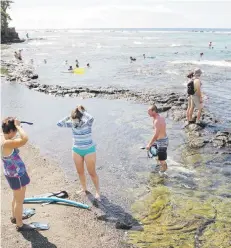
<point x="210" y="44"/>
<point x="144" y="56"/>
<point x="77" y="63"/>
<point x="70" y="68"/>
<point x="132" y="59"/>
<point x="88" y="65"/>
<point x="201" y="55"/>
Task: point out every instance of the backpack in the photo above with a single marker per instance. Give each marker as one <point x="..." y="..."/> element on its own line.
<point x="190" y="88"/>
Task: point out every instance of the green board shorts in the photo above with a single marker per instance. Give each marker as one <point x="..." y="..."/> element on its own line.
<point x="84" y="152"/>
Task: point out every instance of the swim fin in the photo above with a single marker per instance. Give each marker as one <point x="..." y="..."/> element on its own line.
<point x="61" y="194"/>
<point x="39" y="226"/>
<point x="28" y="212"/>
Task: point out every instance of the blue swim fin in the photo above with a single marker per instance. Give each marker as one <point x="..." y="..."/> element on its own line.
<point x="39" y="226"/>
<point x="28" y="212"/>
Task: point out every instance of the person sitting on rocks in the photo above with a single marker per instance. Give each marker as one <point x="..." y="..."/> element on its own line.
<point x="194" y="95"/>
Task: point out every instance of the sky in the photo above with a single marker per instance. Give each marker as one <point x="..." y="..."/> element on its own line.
<point x="59" y="14"/>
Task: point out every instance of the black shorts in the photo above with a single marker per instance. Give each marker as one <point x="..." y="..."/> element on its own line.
<point x="162" y="153"/>
<point x="18" y="182"/>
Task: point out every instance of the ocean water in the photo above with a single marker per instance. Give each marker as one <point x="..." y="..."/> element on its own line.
<point x="173" y="53"/>
<point x="121" y="127"/>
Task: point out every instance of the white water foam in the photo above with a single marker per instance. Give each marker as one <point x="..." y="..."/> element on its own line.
<point x="172" y="72"/>
<point x="175" y="45"/>
<point x="220" y="63"/>
<point x="151" y="38"/>
<point x="38" y="43"/>
<point x="137" y="42"/>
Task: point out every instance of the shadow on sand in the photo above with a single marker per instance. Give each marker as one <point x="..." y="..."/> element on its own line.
<point x="37" y="240"/>
<point x="113" y="213"/>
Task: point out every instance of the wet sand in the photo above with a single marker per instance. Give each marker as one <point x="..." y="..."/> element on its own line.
<point x="69" y="226"/>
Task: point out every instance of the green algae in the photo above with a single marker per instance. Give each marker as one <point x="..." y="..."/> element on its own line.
<point x="172" y="220"/>
<point x="4" y="71"/>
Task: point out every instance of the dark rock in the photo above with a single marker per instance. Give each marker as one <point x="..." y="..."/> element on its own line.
<point x="227" y="195"/>
<point x="219" y="133"/>
<point x="12" y="78"/>
<point x="164" y="108"/>
<point x="182" y="99"/>
<point x="218" y="143"/>
<point x="172" y="99"/>
<point x="197" y="143"/>
<point x="34" y="76"/>
<point x="123" y="225"/>
<point x="193" y="127"/>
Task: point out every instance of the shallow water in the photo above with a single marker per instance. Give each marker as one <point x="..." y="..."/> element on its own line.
<point x="108" y="53"/>
<point x="120" y="129"/>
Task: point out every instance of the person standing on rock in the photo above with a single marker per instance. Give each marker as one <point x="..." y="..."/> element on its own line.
<point x="84" y="149"/>
<point x="14" y="168"/>
<point x="20" y="54"/>
<point x="195" y="96"/>
<point x="159" y="139"/>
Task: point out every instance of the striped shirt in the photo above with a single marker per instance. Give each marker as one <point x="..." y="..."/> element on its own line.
<point x="81" y="130"/>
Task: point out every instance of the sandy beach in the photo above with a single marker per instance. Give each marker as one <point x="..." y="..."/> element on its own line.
<point x="69" y="226"/>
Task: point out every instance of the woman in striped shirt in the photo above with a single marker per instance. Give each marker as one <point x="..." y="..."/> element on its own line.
<point x="83" y="149"/>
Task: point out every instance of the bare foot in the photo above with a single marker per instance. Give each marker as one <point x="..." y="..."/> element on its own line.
<point x="97" y="196"/>
<point x="82" y="192"/>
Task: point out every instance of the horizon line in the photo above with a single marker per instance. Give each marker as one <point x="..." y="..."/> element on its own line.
<point x="120" y="28"/>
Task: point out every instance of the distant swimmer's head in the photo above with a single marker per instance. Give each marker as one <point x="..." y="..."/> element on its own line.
<point x="197" y="72"/>
<point x="70" y="68"/>
<point x="88" y="65"/>
<point x="190" y="75"/>
<point x="8" y="127"/>
<point x="152" y="110"/>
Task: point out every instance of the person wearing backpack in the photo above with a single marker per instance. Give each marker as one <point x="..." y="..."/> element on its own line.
<point x="194" y="95"/>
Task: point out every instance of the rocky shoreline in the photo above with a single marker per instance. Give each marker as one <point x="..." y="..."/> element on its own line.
<point x="174" y="103"/>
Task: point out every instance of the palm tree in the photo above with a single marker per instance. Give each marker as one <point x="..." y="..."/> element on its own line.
<point x="5" y="17"/>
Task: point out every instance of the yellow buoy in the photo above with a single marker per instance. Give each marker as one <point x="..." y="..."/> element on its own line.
<point x="79" y="70"/>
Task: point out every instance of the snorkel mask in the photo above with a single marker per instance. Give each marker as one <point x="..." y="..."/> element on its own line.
<point x="152" y="152"/>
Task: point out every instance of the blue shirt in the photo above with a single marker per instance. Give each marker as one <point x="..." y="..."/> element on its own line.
<point x="81" y="130"/>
